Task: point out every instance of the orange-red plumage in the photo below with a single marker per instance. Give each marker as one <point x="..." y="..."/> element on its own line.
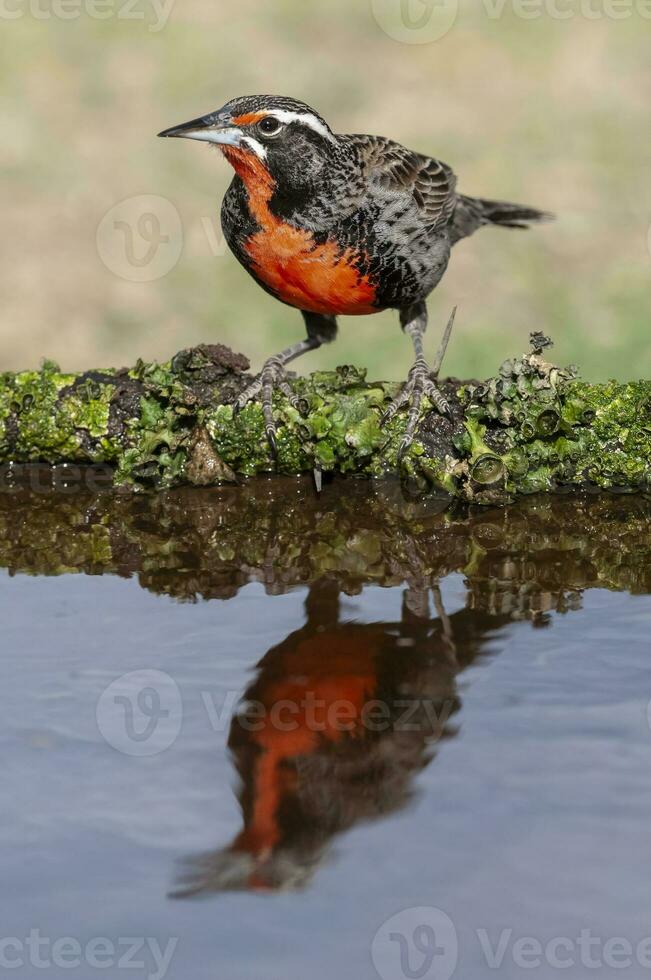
<point x="320" y="696"/>
<point x="248" y="118"/>
<point x="333" y="223"/>
<point x="320" y="278"/>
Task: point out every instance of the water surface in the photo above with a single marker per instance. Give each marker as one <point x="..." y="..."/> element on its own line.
<point x="250" y="726"/>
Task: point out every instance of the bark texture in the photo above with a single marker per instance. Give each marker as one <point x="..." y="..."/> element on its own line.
<point x="533" y="427"/>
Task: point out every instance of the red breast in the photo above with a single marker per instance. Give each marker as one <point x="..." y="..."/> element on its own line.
<point x="318" y="696"/>
<point x="319" y="278"/>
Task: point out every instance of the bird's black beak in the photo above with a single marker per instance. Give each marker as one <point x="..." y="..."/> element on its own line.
<point x="214" y="128"/>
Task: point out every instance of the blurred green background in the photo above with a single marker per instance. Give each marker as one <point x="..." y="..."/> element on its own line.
<point x="544" y="110"/>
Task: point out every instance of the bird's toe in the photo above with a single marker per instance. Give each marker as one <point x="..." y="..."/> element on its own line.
<point x="418" y="385"/>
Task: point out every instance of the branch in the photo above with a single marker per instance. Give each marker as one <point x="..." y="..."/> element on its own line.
<point x="532" y="427"/>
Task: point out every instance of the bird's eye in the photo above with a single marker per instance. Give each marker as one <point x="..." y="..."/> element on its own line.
<point x="269" y="126"/>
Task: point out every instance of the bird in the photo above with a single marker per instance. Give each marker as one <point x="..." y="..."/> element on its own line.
<point x="335" y="225"/>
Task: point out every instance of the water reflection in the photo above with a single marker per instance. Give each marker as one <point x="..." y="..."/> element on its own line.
<point x="339" y="719"/>
<point x="340" y="716"/>
<point x="524" y="560"/>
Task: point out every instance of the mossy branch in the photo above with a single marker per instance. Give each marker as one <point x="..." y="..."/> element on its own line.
<point x="533" y="427"/>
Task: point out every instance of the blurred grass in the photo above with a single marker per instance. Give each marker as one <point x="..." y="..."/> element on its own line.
<point x="548" y="112"/>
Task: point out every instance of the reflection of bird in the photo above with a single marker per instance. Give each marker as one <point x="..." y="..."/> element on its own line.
<point x="339" y="720"/>
<point x="335" y="224"/>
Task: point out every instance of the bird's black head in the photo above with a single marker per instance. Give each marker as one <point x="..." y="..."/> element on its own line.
<point x="291" y="141"/>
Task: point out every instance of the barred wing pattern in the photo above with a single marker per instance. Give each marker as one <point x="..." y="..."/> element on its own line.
<point x="393" y="166"/>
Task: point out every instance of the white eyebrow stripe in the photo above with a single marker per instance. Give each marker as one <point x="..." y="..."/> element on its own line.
<point x="257" y="147"/>
<point x="285" y="116"/>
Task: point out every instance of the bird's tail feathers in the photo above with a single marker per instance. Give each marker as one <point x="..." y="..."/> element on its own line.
<point x="509" y="215"/>
<point x="472" y="213"/>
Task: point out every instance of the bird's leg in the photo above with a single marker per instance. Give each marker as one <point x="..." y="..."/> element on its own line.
<point x="273" y="376"/>
<point x="320" y="330"/>
<point x="419" y="380"/>
<point x="448" y="635"/>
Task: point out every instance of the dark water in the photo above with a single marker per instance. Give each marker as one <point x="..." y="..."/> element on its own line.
<point x="244" y="729"/>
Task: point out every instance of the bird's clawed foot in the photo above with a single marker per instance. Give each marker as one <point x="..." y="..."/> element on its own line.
<point x="273" y="375"/>
<point x="419" y="383"/>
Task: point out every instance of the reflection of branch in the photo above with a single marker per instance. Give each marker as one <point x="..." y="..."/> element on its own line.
<point x="532" y="427"/>
<point x="525" y="560"/>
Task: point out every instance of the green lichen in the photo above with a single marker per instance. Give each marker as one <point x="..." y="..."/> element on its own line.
<point x="44" y="430"/>
<point x="532" y="427"/>
<point x="561" y="430"/>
